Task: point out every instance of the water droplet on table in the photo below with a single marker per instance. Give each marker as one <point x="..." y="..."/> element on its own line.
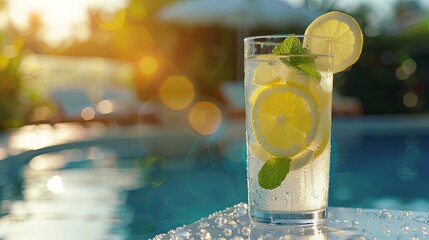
<point x="182" y="234"/>
<point x="384" y="215"/>
<point x="245" y="230"/>
<point x="203" y="224"/>
<point x="227" y="232"/>
<point x="405" y="228"/>
<point x="220" y="221"/>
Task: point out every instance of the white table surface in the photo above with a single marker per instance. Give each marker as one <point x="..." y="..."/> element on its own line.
<point x="342" y="223"/>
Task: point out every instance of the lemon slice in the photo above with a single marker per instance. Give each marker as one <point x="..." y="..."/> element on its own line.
<point x="284" y="120"/>
<point x="265" y="73"/>
<point x="346" y="35"/>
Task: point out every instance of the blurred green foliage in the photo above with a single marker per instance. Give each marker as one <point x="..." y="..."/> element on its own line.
<point x="12" y="113"/>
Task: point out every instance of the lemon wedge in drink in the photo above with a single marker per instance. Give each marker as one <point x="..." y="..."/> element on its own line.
<point x="346" y="35"/>
<point x="284" y="120"/>
<point x="265" y="73"/>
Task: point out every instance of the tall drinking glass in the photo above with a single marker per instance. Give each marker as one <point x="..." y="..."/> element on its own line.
<point x="288" y="87"/>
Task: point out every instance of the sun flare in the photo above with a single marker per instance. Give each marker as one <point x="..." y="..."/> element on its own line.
<point x="61" y="22"/>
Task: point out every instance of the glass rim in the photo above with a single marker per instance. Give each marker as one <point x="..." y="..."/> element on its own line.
<point x="253" y="39"/>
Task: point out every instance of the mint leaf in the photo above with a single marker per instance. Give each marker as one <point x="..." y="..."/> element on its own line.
<point x="305" y="64"/>
<point x="291" y="45"/>
<point x="273" y="172"/>
<point x="310" y="69"/>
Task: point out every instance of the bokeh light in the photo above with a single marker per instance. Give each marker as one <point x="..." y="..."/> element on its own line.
<point x="105" y="106"/>
<point x="55" y="184"/>
<point x="10" y="51"/>
<point x="138" y="10"/>
<point x="41" y="113"/>
<point x="87" y="113"/>
<point x="111" y="22"/>
<point x="410" y="99"/>
<point x="177" y="92"/>
<point x="131" y="37"/>
<point x="148" y="65"/>
<point x="205" y="117"/>
<point x="409" y="66"/>
<point x="3" y="20"/>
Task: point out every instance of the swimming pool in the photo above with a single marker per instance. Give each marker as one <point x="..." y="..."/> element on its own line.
<point x="383" y="162"/>
<point x="129" y="183"/>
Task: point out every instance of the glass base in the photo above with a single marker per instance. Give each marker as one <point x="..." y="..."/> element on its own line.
<point x="288" y="218"/>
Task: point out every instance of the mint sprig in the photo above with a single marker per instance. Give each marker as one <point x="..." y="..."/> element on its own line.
<point x="289" y="46"/>
<point x="304" y="64"/>
<point x="273" y="172"/>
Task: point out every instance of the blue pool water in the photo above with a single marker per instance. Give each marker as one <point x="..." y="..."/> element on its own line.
<point x="382" y="162"/>
<point x="133" y="186"/>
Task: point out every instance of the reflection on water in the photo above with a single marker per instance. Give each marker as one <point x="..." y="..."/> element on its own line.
<point x="83" y="199"/>
<point x="118" y="188"/>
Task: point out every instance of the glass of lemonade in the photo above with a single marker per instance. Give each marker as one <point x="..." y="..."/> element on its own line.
<point x="288" y="87"/>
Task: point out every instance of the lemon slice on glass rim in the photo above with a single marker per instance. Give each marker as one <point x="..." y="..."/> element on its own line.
<point x="346" y="35"/>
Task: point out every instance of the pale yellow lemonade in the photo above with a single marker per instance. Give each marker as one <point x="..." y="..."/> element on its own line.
<point x="288" y="86"/>
<point x="289" y="116"/>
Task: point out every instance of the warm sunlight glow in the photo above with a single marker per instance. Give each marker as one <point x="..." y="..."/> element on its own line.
<point x="177" y="92"/>
<point x="10" y="51"/>
<point x="33" y="139"/>
<point x="148" y="65"/>
<point x="47" y="162"/>
<point x="3" y="20"/>
<point x="41" y="113"/>
<point x="112" y="22"/>
<point x="60" y="21"/>
<point x="205" y="118"/>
